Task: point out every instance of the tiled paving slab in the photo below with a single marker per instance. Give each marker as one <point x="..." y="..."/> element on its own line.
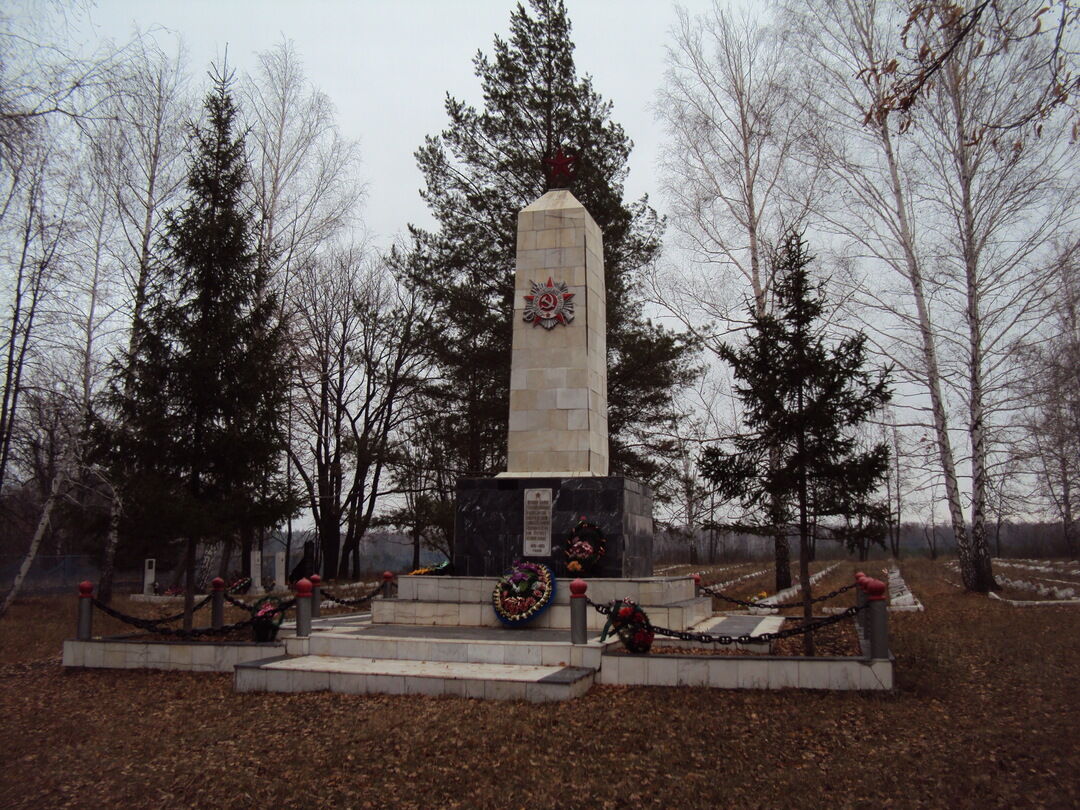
<point x="381" y="676"/>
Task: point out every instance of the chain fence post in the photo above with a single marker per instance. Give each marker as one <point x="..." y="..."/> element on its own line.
<point x="84" y="629"/>
<point x="217" y="603"/>
<point x="579" y="604"/>
<point x="860" y="600"/>
<point x="387" y="584"/>
<point x="879" y="618"/>
<point x="303" y="607"/>
<point x="316" y="595"/>
<point x="697" y="585"/>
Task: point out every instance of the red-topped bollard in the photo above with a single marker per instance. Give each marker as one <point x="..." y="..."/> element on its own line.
<point x="387" y="584"/>
<point x="316" y="595"/>
<point x="860" y="599"/>
<point x="697" y="585"/>
<point x="875" y="589"/>
<point x="84" y="623"/>
<point x="217" y="603"/>
<point x="579" y="604"/>
<point x="879" y="618"/>
<point x="303" y="607"/>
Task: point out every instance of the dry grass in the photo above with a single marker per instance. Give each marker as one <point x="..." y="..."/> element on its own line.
<point x="985" y="715"/>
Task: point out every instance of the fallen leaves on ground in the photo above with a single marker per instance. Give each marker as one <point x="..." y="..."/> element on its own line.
<point x="985" y="714"/>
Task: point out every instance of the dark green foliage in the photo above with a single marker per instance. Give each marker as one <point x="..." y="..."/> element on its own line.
<point x="202" y="396"/>
<point x="803" y="402"/>
<point x="484" y="168"/>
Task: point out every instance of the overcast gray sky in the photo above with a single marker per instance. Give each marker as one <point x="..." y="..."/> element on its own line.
<point x="387" y="66"/>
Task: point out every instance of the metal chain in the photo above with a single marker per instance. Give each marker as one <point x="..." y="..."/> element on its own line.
<point x="237" y="603"/>
<point x="708" y="638"/>
<point x="151" y="625"/>
<point x="147" y="624"/>
<point x="351" y="602"/>
<point x="744" y="603"/>
<point x="603" y="610"/>
<point x="205" y="601"/>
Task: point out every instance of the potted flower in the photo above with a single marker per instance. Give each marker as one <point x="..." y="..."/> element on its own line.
<point x="267" y="615"/>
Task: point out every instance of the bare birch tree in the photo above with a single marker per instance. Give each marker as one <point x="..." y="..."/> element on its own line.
<point x="730" y="175"/>
<point x="304" y="178"/>
<point x="33" y="233"/>
<point x="1001" y="197"/>
<point x="920" y="200"/>
<point x="847" y="47"/>
<point x="146" y="167"/>
<point x="1051" y="422"/>
<point x="728" y="168"/>
<point x="42" y="82"/>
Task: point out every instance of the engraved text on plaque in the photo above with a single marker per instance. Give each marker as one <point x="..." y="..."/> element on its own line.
<point x="538" y="523"/>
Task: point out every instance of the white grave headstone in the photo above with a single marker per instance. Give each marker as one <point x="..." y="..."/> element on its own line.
<point x="281" y="576"/>
<point x="256" y="572"/>
<point x="149" y="576"/>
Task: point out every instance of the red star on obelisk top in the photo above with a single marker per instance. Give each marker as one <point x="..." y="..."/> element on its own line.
<point x="560" y="169"/>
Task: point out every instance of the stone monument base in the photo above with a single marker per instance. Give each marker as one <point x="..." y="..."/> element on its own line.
<point x="489" y="525"/>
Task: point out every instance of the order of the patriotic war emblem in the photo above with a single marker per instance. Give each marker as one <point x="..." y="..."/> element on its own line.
<point x="549" y="304"/>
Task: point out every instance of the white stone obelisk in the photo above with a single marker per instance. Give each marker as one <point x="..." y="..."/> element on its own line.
<point x="558" y="378"/>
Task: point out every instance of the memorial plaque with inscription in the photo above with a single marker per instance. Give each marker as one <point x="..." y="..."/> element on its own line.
<point x="537" y="523"/>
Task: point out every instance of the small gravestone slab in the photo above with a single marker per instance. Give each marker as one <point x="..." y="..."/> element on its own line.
<point x="281" y="574"/>
<point x="149" y="576"/>
<point x="256" y="572"/>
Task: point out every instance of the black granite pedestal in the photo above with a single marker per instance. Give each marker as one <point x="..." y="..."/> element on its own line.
<point x="489" y="527"/>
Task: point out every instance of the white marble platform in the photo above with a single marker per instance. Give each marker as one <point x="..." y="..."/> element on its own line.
<point x="644" y="590"/>
<point x="450" y="614"/>
<point x="734" y="672"/>
<point x="403" y="677"/>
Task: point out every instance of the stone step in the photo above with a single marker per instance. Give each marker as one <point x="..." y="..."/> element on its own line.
<point x="359" y="676"/>
<point x="474" y="648"/>
<point x="677" y="616"/>
<point x="729" y="625"/>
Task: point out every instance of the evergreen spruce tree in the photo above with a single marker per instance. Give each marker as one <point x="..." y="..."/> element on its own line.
<point x="202" y="397"/>
<point x="484" y="168"/>
<point x="803" y="402"/>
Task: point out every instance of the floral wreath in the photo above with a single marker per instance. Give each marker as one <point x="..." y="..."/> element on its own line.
<point x="631" y="624"/>
<point x="584" y="547"/>
<point x="239" y="585"/>
<point x="523" y="592"/>
<point x="268" y="609"/>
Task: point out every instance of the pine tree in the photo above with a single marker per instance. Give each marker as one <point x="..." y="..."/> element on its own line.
<point x="485" y="167"/>
<point x="202" y="397"/>
<point x="803" y="403"/>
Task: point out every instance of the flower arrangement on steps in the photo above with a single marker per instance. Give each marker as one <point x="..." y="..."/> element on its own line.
<point x="523" y="593"/>
<point x="437" y="570"/>
<point x="631" y="624"/>
<point x="267" y="616"/>
<point x="585" y="547"/>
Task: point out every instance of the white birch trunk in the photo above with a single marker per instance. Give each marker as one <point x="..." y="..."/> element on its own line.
<point x="35" y="543"/>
